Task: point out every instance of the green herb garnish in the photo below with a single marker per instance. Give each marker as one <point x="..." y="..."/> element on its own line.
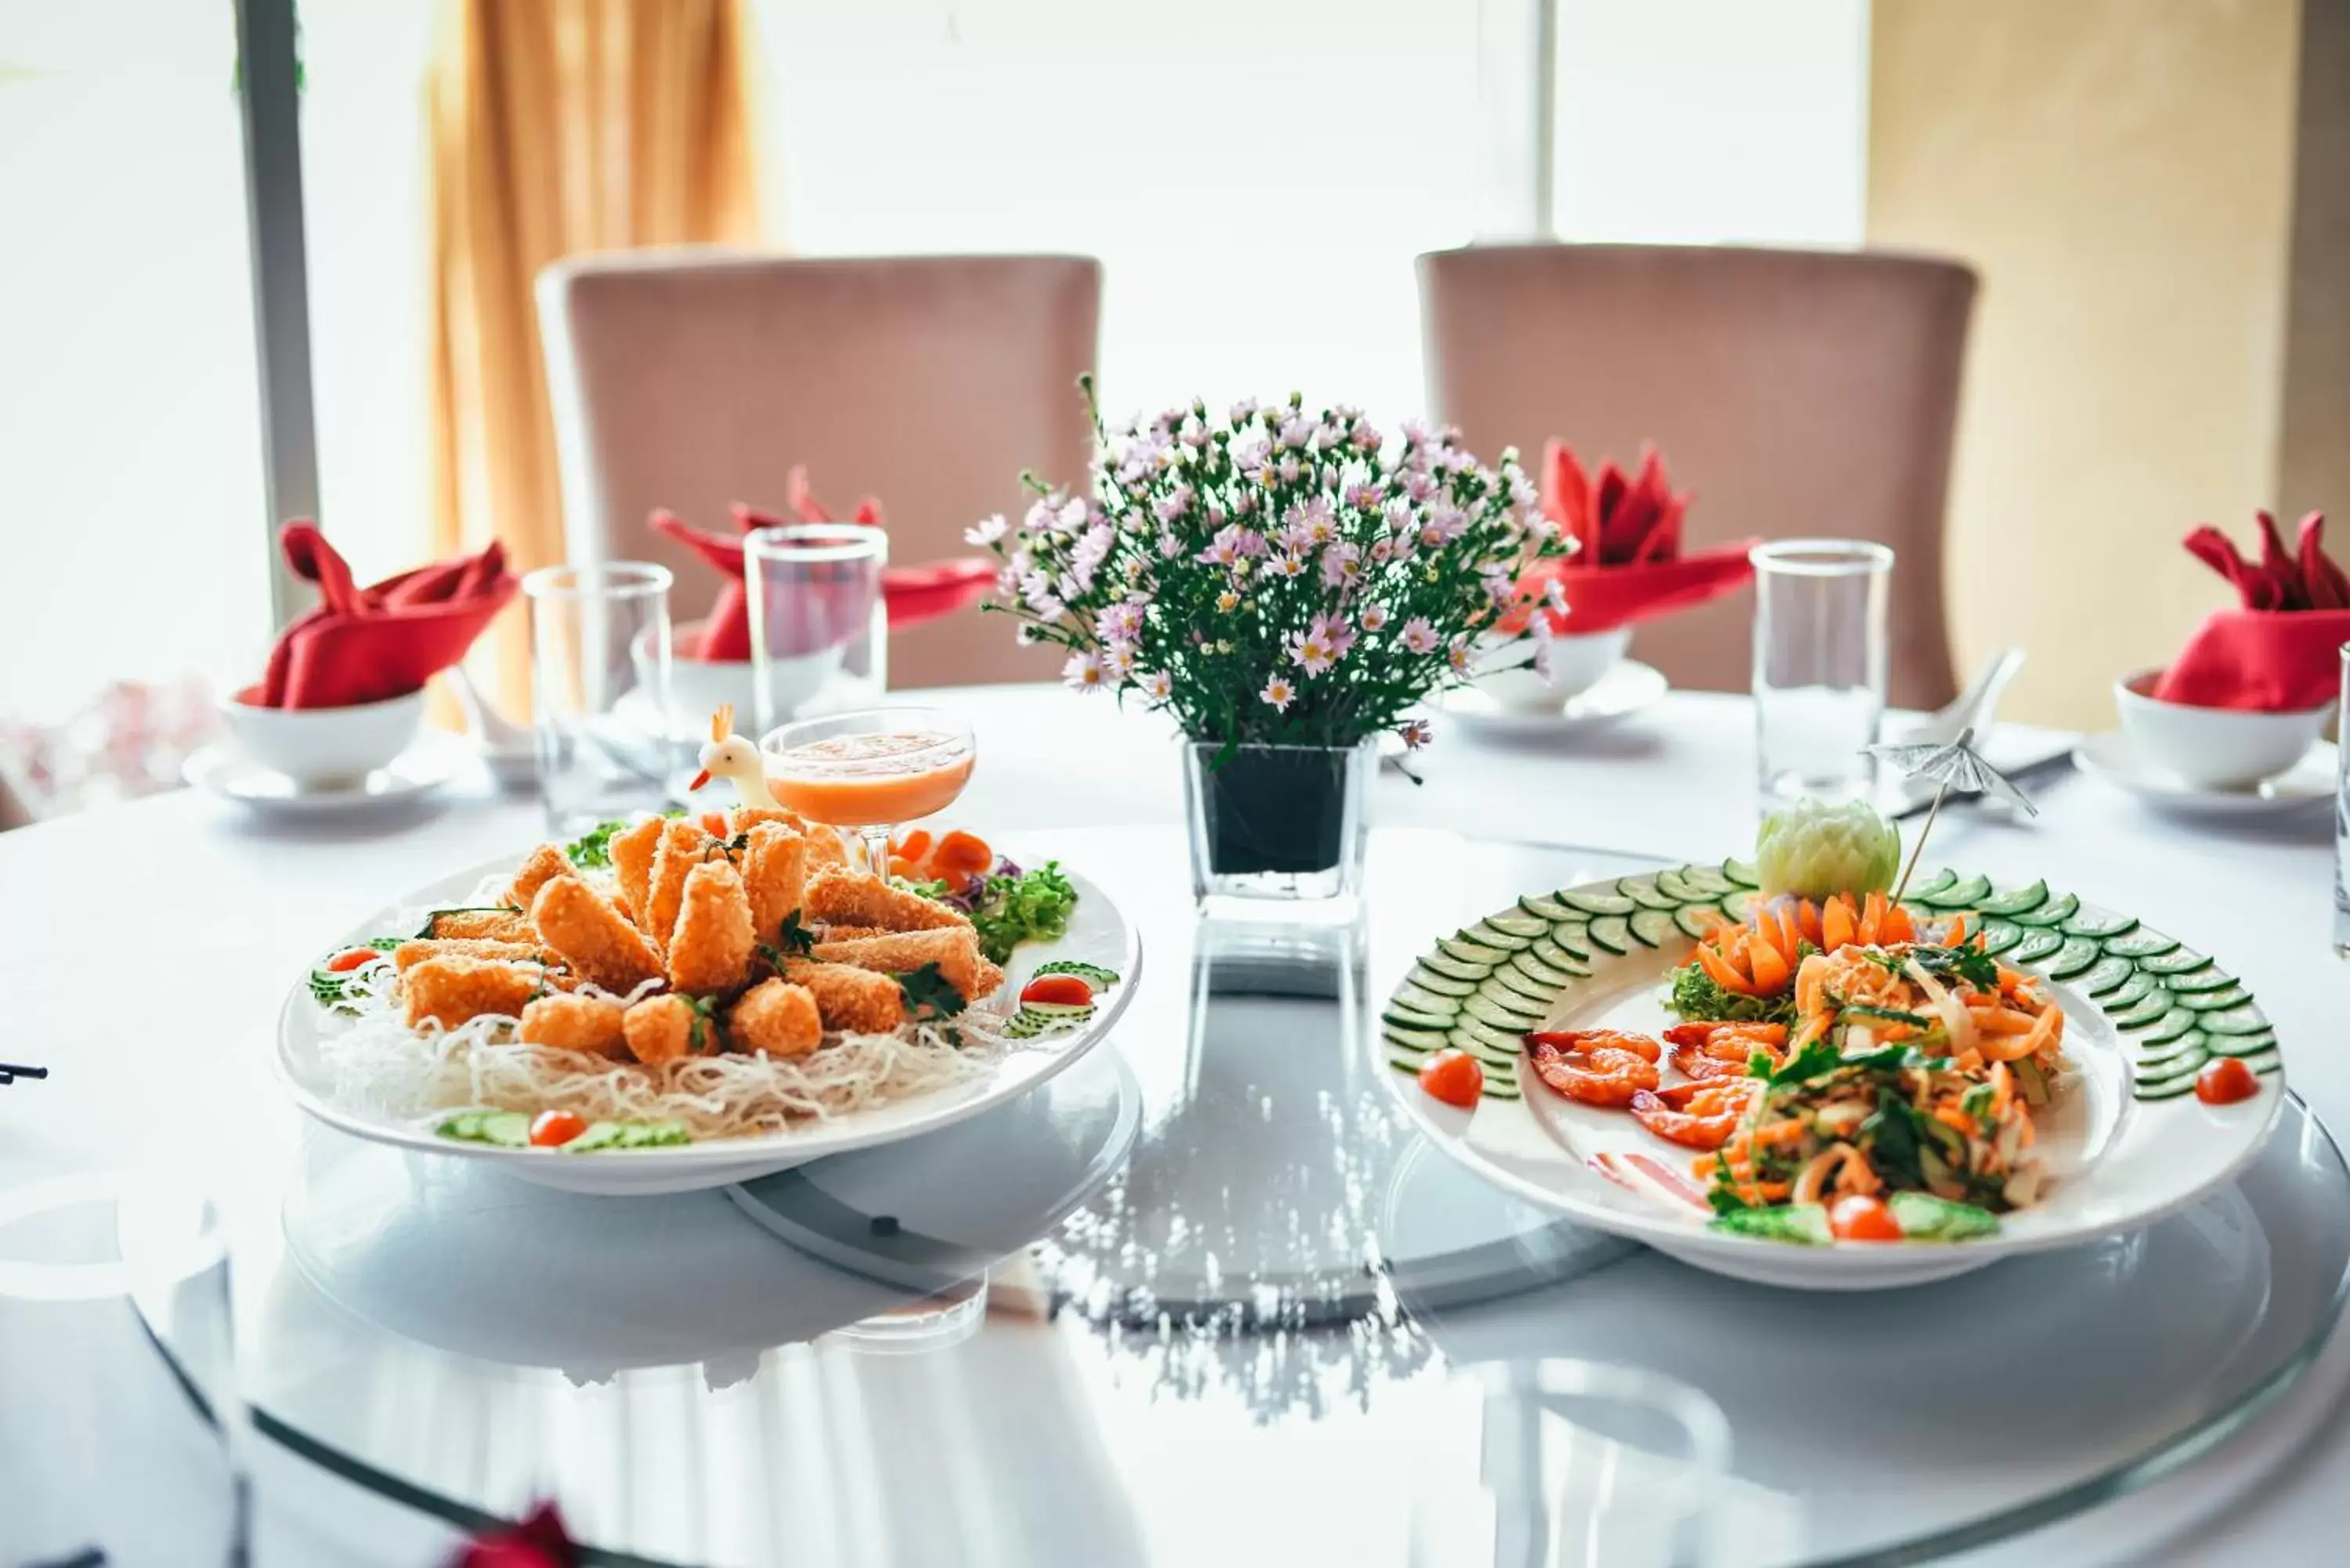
<point x="1888" y="1015"/>
<point x="1033" y="907"/>
<point x="1969" y="963"/>
<point x="794" y="938"/>
<point x="929" y="994"/>
<point x="594" y="847"/>
<point x="1092" y="973"/>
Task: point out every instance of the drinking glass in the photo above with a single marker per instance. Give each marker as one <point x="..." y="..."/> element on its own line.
<point x="1819" y="665"/>
<point x="819" y="631"/>
<point x="872" y="770"/>
<point x="599" y="675"/>
<point x="2342" y="815"/>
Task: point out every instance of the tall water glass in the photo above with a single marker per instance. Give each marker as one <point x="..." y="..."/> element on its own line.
<point x="1819" y="665"/>
<point x="2342" y="816"/>
<point x="599" y="677"/>
<point x="819" y="631"/>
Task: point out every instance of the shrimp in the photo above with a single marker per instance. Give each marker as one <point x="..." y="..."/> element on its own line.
<point x="1722" y="1050"/>
<point x="1607" y="1075"/>
<point x="1640" y="1045"/>
<point x="1702" y="1114"/>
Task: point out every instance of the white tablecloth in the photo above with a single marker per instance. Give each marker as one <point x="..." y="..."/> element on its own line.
<point x="92" y="907"/>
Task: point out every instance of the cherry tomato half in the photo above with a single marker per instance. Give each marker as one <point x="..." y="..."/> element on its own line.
<point x="553" y="1129"/>
<point x="2224" y="1082"/>
<point x="1861" y="1219"/>
<point x="1058" y="990"/>
<point x="351" y="958"/>
<point x="1454" y="1077"/>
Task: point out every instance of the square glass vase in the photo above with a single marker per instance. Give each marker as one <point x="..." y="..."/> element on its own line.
<point x="1279" y="829"/>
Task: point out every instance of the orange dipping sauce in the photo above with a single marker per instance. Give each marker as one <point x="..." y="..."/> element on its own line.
<point x="871" y="781"/>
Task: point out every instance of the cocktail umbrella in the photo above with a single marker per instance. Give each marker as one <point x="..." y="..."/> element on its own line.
<point x="1953" y="767"/>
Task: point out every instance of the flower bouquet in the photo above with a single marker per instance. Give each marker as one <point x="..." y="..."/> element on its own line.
<point x="1288" y="585"/>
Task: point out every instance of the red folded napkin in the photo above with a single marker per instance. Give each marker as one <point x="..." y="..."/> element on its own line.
<point x="366" y="645"/>
<point x="1626" y="565"/>
<point x="913" y="594"/>
<point x="2280" y="651"/>
<point x="538" y="1541"/>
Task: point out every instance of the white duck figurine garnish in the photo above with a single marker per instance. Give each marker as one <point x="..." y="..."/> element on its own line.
<point x="729" y="756"/>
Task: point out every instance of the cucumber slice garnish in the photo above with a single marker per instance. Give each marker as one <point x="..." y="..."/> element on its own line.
<point x="2016" y="903"/>
<point x="1699" y="920"/>
<point x="2141" y="944"/>
<point x="1551" y="953"/>
<point x="2241" y="1045"/>
<point x="1490" y="1043"/>
<point x="1526" y="926"/>
<point x="1805" y="1224"/>
<point x="2177" y="961"/>
<point x="1468" y="951"/>
<point x="2100" y="924"/>
<point x="1612" y="932"/>
<point x="1709" y="882"/>
<point x="1597" y="903"/>
<point x="2128" y="993"/>
<point x="1494" y="934"/>
<point x="1572" y="937"/>
<point x="1676" y="887"/>
<point x="1452" y="968"/>
<point x="1545" y="908"/>
<point x="2166" y="1056"/>
<point x="1421" y="1000"/>
<point x="1655" y="927"/>
<point x="2243" y="1020"/>
<point x="1740" y="872"/>
<point x="1925" y="1218"/>
<point x="1502" y="1008"/>
<point x="1931" y="885"/>
<point x="1997" y="936"/>
<point x="2103" y="974"/>
<point x="2145" y="1014"/>
<point x="1645" y="892"/>
<point x="2174" y="1024"/>
<point x="1399" y="1016"/>
<point x="2226" y="996"/>
<point x="1547" y="975"/>
<point x="1091" y="973"/>
<point x="1522" y="984"/>
<point x="2210" y="977"/>
<point x="1738" y="904"/>
<point x="2038" y="943"/>
<point x="2054" y="912"/>
<point x="2169" y="1087"/>
<point x="1430" y="979"/>
<point x="2078" y="954"/>
<point x="1965" y="895"/>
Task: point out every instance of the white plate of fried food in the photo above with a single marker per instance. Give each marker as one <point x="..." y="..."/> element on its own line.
<point x="680" y="1008"/>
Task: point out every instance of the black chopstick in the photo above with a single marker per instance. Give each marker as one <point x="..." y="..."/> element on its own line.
<point x="10" y="1071"/>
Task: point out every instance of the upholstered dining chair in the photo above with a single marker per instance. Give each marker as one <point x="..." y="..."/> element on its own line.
<point x="693" y="378"/>
<point x="1796" y="393"/>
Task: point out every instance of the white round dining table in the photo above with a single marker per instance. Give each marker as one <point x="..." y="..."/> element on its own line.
<point x="145" y="949"/>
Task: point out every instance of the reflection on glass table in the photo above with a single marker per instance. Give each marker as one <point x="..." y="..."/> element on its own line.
<point x="1272" y="1328"/>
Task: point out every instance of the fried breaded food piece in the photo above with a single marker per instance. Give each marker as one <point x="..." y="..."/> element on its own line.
<point x="744" y="818"/>
<point x="844" y="898"/>
<point x="485" y="925"/>
<point x="449" y="991"/>
<point x="588" y="1024"/>
<point x="711" y="951"/>
<point x="408" y="955"/>
<point x="663" y="1028"/>
<point x="684" y="846"/>
<point x="775" y="876"/>
<point x="579" y="923"/>
<point x="955" y="952"/>
<point x="631" y="850"/>
<point x="777" y="1017"/>
<point x="546" y="863"/>
<point x="852" y="1001"/>
<point x="850" y="933"/>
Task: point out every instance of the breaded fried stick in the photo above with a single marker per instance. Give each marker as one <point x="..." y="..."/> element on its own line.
<point x="408" y="955"/>
<point x="711" y="949"/>
<point x="664" y="1028"/>
<point x="631" y="850"/>
<point x="852" y="1001"/>
<point x="775" y="876"/>
<point x="823" y="844"/>
<point x="852" y="898"/>
<point x="955" y="952"/>
<point x="588" y="1024"/>
<point x="683" y="846"/>
<point x="449" y="991"/>
<point x="484" y="925"/>
<point x="591" y="936"/>
<point x="546" y="863"/>
<point x="777" y="1017"/>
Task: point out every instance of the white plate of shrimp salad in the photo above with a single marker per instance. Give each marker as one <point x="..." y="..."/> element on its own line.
<point x="672" y="1004"/>
<point x="1840" y="1093"/>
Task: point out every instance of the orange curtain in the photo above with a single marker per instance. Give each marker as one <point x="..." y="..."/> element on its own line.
<point x="559" y="125"/>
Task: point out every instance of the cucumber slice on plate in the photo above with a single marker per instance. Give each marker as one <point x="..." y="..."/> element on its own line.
<point x="2177" y="961"/>
<point x="1805" y="1224"/>
<point x="2152" y="1011"/>
<point x="1517" y="925"/>
<point x="2166" y="1057"/>
<point x="1502" y="1008"/>
<point x="1699" y="920"/>
<point x="1925" y="1218"/>
<point x="2226" y="996"/>
<point x="1549" y="976"/>
<point x="2099" y="924"/>
<point x="1592" y="903"/>
<point x="2037" y="943"/>
<point x="2167" y="1087"/>
<point x="1444" y="964"/>
<point x="1400" y="1017"/>
<point x="2174" y="1024"/>
<point x="1965" y="895"/>
<point x="1709" y="882"/>
<point x="1517" y="980"/>
<point x="1489" y="1043"/>
<point x="1548" y="910"/>
<point x="1644" y="892"/>
<point x="1612" y="933"/>
<point x="1742" y="873"/>
<point x="2211" y="978"/>
<point x="2103" y="974"/>
<point x="1998" y="936"/>
<point x="2054" y="912"/>
<point x="1931" y="885"/>
<point x="2141" y="943"/>
<point x="1405" y="1038"/>
<point x="1468" y="951"/>
<point x="1491" y="933"/>
<point x="1737" y="904"/>
<point x="1552" y="955"/>
<point x="1573" y="937"/>
<point x="1423" y="1000"/>
<point x="1430" y="978"/>
<point x="2077" y="954"/>
<point x="2241" y="1045"/>
<point x="2129" y="993"/>
<point x="1676" y="887"/>
<point x="2016" y="903"/>
<point x="1655" y="927"/>
<point x="2244" y="1020"/>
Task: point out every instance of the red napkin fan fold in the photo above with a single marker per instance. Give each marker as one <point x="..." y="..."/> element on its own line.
<point x="2279" y="651"/>
<point x="1628" y="565"/>
<point x="371" y="644"/>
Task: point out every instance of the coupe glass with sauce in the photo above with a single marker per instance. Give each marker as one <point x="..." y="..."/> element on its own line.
<point x="871" y="771"/>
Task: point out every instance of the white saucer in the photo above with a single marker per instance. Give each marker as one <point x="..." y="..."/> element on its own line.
<point x="2109" y="756"/>
<point x="1624" y="690"/>
<point x="221" y="770"/>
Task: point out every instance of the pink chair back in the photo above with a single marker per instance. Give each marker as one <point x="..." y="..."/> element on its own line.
<point x="693" y="378"/>
<point x="1796" y="392"/>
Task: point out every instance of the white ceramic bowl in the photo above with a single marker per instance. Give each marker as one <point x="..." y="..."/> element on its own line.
<point x="1576" y="665"/>
<point x="324" y="745"/>
<point x="2213" y="748"/>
